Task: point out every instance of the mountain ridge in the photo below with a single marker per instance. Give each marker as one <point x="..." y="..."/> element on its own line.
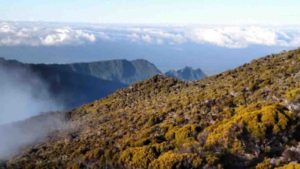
<point x="187" y="73"/>
<point x="81" y="83"/>
<point x="243" y="118"/>
<point x="121" y="70"/>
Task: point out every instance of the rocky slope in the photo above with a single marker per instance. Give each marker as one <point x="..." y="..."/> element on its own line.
<point x="243" y="118"/>
<point x="187" y="74"/>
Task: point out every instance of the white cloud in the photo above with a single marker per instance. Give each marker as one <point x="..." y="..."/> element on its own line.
<point x="147" y="38"/>
<point x="5" y="28"/>
<point x="12" y="33"/>
<point x="67" y="36"/>
<point x="60" y="36"/>
<point x="223" y="36"/>
<point x="235" y="37"/>
<point x="99" y="35"/>
<point x="155" y="35"/>
<point x="241" y="37"/>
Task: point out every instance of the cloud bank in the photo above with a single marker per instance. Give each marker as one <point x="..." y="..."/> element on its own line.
<point x="12" y="34"/>
<point x="223" y="36"/>
<point x="241" y="37"/>
<point x="24" y="95"/>
<point x="43" y="34"/>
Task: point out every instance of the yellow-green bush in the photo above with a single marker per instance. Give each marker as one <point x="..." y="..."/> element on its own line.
<point x="264" y="165"/>
<point x="293" y="94"/>
<point x="172" y="160"/>
<point x="255" y="121"/>
<point x="138" y="157"/>
<point x="211" y="159"/>
<point x="290" y="166"/>
<point x="183" y="134"/>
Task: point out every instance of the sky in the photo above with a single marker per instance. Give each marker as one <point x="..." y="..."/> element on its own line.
<point x="265" y="12"/>
<point x="197" y="33"/>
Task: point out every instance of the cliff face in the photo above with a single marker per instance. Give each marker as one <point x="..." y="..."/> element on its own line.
<point x="243" y="118"/>
<point x="123" y="71"/>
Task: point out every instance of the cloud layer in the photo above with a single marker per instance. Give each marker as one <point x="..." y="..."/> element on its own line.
<point x="240" y="37"/>
<point x="12" y="34"/>
<point x="36" y="34"/>
<point x="223" y="36"/>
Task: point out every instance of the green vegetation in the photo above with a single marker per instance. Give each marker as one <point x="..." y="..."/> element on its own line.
<point x="293" y="94"/>
<point x="171" y="160"/>
<point x="238" y="119"/>
<point x="254" y="122"/>
<point x="290" y="166"/>
<point x="139" y="157"/>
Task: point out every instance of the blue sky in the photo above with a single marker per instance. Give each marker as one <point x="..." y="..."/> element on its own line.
<point x="277" y="12"/>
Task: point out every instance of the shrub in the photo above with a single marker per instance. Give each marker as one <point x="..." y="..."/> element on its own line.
<point x="293" y="94"/>
<point x="138" y="157"/>
<point x="183" y="134"/>
<point x="290" y="166"/>
<point x="172" y="160"/>
<point x="255" y="121"/>
<point x="266" y="164"/>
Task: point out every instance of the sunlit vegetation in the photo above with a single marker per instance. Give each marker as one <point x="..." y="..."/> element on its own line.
<point x="171" y="160"/>
<point x="257" y="123"/>
<point x="293" y="94"/>
<point x="290" y="166"/>
<point x="242" y="118"/>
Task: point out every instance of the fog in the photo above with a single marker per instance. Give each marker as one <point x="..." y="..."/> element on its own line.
<point x="24" y="95"/>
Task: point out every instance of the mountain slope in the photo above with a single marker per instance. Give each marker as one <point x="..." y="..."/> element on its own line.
<point x="17" y="134"/>
<point x="123" y="71"/>
<point x="244" y="118"/>
<point x="79" y="83"/>
<point x="71" y="88"/>
<point x="186" y="73"/>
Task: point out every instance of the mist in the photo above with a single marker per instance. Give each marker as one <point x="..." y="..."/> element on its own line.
<point x="24" y="95"/>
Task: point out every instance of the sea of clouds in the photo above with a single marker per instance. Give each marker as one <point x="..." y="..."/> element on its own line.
<point x="51" y="34"/>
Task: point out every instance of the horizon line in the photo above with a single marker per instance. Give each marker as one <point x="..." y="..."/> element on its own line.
<point x="147" y="24"/>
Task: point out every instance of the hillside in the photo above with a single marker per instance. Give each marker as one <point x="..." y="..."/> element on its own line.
<point x="186" y="73"/>
<point x="17" y="134"/>
<point x="123" y="71"/>
<point x="243" y="118"/>
<point x="80" y="83"/>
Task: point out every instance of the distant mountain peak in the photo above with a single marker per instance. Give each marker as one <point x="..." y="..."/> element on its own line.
<point x="187" y="73"/>
<point x="121" y="70"/>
